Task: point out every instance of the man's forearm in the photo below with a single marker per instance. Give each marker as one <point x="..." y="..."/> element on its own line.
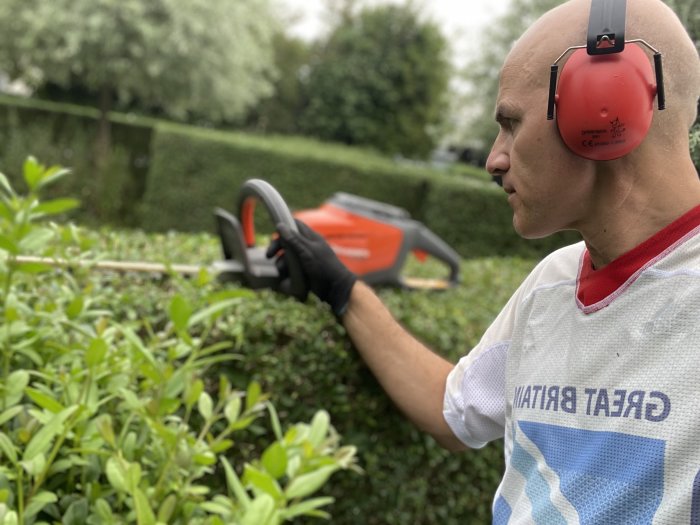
<point x="412" y="375"/>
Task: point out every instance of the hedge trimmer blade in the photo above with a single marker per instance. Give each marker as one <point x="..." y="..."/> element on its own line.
<point x="243" y="261"/>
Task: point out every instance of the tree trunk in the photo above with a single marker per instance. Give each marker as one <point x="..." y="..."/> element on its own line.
<point x="103" y="141"/>
<point x="103" y="148"/>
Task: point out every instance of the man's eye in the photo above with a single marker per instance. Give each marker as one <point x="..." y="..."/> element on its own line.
<point x="507" y="123"/>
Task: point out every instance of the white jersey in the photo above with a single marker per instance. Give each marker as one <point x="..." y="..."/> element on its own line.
<point x="593" y="379"/>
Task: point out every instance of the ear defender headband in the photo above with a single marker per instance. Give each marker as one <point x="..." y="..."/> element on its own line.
<point x="604" y="99"/>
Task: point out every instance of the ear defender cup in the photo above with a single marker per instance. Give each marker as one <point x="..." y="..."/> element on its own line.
<point x="605" y="102"/>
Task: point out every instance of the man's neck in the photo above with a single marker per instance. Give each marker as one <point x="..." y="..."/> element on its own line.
<point x="633" y="209"/>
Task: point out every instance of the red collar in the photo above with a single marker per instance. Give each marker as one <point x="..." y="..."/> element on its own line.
<point x="596" y="289"/>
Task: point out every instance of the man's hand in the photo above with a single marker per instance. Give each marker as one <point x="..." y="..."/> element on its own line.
<point x="326" y="275"/>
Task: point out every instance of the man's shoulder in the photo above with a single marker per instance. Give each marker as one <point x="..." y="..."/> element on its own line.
<point x="559" y="268"/>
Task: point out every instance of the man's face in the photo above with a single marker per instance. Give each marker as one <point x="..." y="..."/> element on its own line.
<point x="549" y="188"/>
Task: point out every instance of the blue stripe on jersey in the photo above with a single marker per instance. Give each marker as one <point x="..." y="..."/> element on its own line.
<point x="695" y="509"/>
<point x="608" y="477"/>
<point x="501" y="511"/>
<point x="536" y="487"/>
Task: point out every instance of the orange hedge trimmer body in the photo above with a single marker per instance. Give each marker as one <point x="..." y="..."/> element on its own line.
<point x="374" y="239"/>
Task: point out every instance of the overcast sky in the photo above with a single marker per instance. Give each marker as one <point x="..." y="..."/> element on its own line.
<point x="461" y="20"/>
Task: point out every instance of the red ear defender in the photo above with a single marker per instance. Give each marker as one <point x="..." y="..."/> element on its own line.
<point x="605" y="102"/>
<point x="605" y="95"/>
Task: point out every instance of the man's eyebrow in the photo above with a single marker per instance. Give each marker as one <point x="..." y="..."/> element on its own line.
<point x="504" y="113"/>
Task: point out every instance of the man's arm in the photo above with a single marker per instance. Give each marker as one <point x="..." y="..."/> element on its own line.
<point x="412" y="375"/>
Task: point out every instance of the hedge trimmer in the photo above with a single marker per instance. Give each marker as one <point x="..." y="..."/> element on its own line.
<point x="371" y="238"/>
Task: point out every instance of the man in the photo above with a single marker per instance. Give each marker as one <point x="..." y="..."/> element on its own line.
<point x="590" y="372"/>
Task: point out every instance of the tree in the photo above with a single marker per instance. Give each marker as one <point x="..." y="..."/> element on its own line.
<point x="481" y="74"/>
<point x="206" y="58"/>
<point x="381" y="80"/>
<point x="280" y="111"/>
<point x="689" y="13"/>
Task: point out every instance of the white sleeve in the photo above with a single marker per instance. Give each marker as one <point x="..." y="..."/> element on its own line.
<point x="475" y="400"/>
<point x="474" y="405"/>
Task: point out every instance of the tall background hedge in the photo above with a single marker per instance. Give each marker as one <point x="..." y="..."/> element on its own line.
<point x="163" y="176"/>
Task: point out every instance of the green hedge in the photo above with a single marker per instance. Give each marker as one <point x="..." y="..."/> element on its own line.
<point x="64" y="134"/>
<point x="303" y="358"/>
<point x="164" y="176"/>
<point x="301" y="355"/>
<point x="194" y="170"/>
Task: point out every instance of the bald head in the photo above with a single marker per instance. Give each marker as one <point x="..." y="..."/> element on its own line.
<point x="654" y="22"/>
<point x="650" y="20"/>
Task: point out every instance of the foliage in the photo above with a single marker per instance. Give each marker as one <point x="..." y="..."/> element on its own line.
<point x="204" y="59"/>
<point x="63" y="134"/>
<point x="695" y="146"/>
<point x="209" y="58"/>
<point x="380" y="80"/>
<point x="107" y="419"/>
<point x="471" y="215"/>
<point x="300" y="354"/>
<point x="280" y="111"/>
<point x="482" y="72"/>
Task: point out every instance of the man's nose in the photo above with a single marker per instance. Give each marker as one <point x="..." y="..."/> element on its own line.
<point x="498" y="161"/>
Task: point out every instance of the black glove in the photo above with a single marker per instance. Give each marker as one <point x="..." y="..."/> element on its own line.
<point x="326" y="276"/>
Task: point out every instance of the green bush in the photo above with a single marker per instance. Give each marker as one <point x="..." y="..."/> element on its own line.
<point x="196" y="170"/>
<point x="64" y="134"/>
<point x="193" y="171"/>
<point x="300" y="354"/>
<point x="117" y="419"/>
<point x="296" y="352"/>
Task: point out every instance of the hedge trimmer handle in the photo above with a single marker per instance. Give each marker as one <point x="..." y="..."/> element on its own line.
<point x="254" y="190"/>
